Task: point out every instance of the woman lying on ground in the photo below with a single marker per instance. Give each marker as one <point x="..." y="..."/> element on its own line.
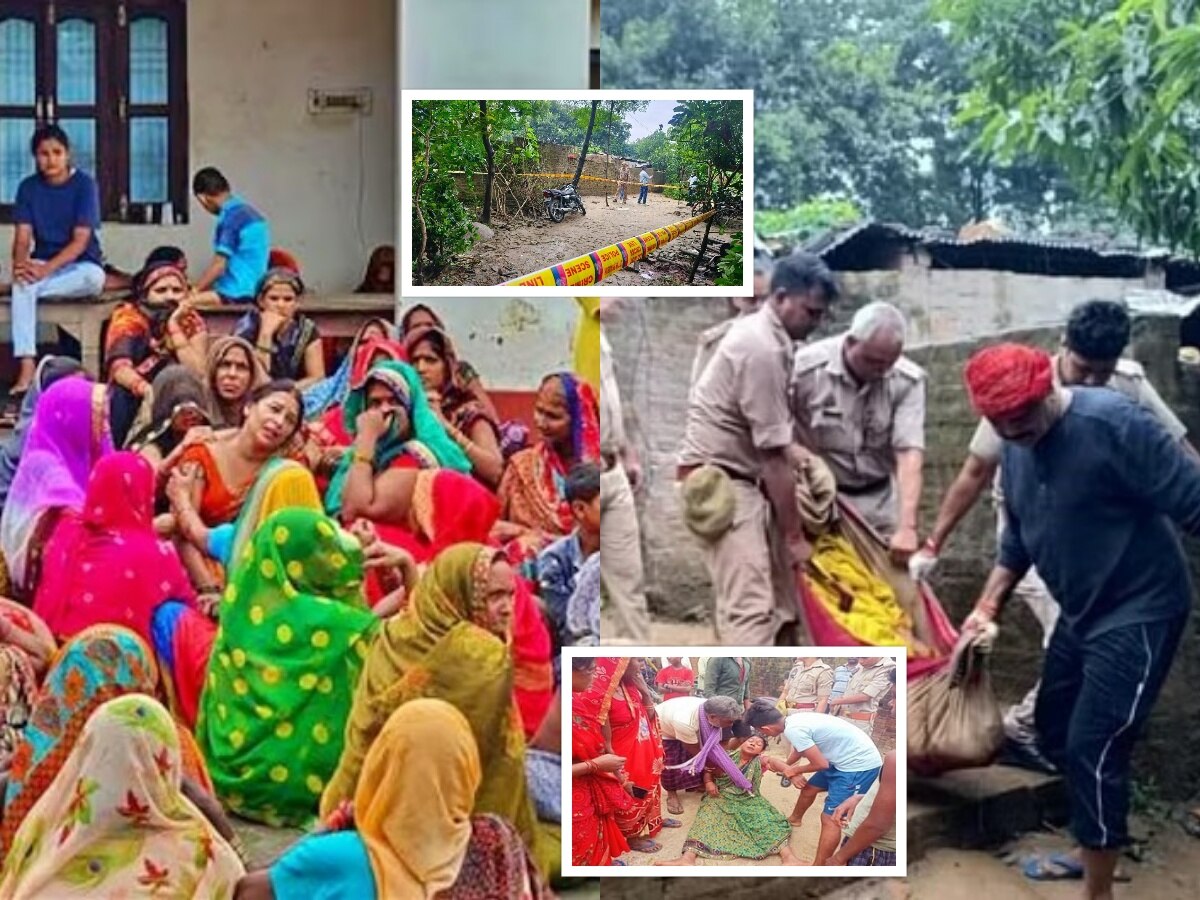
<point x="451" y="643"/>
<point x="146" y="334"/>
<point x="104" y="563"/>
<point x="179" y="404"/>
<point x="682" y="721"/>
<point x="733" y="823"/>
<point x="120" y="818"/>
<point x="233" y="371"/>
<point x="468" y="422"/>
<point x="534" y="509"/>
<point x="285" y="340"/>
<point x="413" y="829"/>
<point x="294" y="630"/>
<point x="599" y="785"/>
<point x="220" y="472"/>
<point x="97" y="665"/>
<point x="68" y="435"/>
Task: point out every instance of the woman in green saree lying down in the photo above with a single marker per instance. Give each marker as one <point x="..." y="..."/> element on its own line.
<point x="294" y="631"/>
<point x="452" y="643"/>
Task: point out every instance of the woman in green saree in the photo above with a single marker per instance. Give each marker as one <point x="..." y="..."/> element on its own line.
<point x="293" y="635"/>
<point x="733" y="824"/>
<point x="451" y="643"/>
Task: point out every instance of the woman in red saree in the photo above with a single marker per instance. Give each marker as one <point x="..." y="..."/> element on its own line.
<point x="597" y="774"/>
<point x="533" y="506"/>
<point x="106" y="564"/>
<point x="631" y="731"/>
<point x="533" y="672"/>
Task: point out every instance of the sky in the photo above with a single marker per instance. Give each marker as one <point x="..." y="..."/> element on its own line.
<point x="646" y="122"/>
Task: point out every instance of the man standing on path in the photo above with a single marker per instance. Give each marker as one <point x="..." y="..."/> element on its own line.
<point x="860" y="703"/>
<point x="621" y="542"/>
<point x="644" y="190"/>
<point x="860" y="405"/>
<point x="736" y="480"/>
<point x="843" y="760"/>
<point x="808" y="686"/>
<point x="728" y="676"/>
<point x="1097" y="333"/>
<point x="1092" y="484"/>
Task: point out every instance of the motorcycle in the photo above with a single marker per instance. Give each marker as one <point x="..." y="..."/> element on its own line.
<point x="560" y="201"/>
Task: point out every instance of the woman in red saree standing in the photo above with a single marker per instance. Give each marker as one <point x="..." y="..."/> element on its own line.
<point x="597" y="793"/>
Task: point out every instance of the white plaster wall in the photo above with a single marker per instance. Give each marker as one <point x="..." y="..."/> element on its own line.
<point x="250" y="65"/>
<point x="512" y="342"/>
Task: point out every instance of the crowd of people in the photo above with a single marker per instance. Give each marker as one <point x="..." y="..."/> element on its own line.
<point x="632" y="744"/>
<point x="237" y="584"/>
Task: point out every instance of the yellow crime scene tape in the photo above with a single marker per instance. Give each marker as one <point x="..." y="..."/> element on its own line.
<point x="594" y="267"/>
<point x="632" y="181"/>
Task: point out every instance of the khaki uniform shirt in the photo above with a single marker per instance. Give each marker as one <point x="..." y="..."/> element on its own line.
<point x="706" y="347"/>
<point x="739" y="406"/>
<point x="1128" y="379"/>
<point x="612" y="430"/>
<point x="809" y="685"/>
<point x="872" y="681"/>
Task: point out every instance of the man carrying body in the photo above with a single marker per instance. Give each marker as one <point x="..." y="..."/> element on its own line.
<point x="1092" y="482"/>
<point x="843" y="760"/>
<point x="867" y="686"/>
<point x="737" y="437"/>
<point x="728" y="676"/>
<point x="710" y="338"/>
<point x="621" y="554"/>
<point x="1096" y="335"/>
<point x="860" y="405"/>
<point x="808" y="686"/>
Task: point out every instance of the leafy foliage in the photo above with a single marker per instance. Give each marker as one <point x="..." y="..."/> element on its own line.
<point x="1109" y="90"/>
<point x="808" y="219"/>
<point x="729" y="269"/>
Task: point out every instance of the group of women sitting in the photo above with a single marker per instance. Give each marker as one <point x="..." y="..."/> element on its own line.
<point x="309" y="607"/>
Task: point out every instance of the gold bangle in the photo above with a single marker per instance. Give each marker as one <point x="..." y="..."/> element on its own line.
<point x="360" y="457"/>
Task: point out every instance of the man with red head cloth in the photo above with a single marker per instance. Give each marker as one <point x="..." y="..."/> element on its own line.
<point x="1092" y="483"/>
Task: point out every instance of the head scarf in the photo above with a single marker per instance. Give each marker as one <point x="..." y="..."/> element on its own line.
<point x="106" y="563"/>
<point x="115" y="820"/>
<point x="68" y="435"/>
<point x="333" y="390"/>
<point x="280" y="275"/>
<point x="415" y="308"/>
<point x="585" y="416"/>
<point x="152" y="275"/>
<point x="227" y="414"/>
<point x="459" y="405"/>
<point x="175" y="389"/>
<point x="294" y="630"/>
<point x="414" y="799"/>
<point x="382" y="258"/>
<point x="98" y="664"/>
<point x="1003" y="379"/>
<point x="49" y="370"/>
<point x="440" y="646"/>
<point x="428" y="443"/>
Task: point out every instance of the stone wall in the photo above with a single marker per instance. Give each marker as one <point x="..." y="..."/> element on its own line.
<point x="653" y="345"/>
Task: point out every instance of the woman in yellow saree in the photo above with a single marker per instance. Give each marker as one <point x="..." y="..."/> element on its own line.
<point x="451" y="643"/>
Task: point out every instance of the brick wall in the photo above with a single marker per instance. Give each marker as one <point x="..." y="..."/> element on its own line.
<point x="653" y="346"/>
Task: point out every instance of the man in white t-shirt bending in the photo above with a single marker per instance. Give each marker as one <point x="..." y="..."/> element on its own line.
<point x="844" y="762"/>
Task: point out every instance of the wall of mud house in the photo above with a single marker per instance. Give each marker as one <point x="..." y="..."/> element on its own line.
<point x="555" y="158"/>
<point x="654" y="345"/>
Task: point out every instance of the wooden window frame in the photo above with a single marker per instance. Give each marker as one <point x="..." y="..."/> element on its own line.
<point x="112" y="110"/>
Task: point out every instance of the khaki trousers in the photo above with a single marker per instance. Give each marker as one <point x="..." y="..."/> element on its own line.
<point x="621" y="571"/>
<point x="755" y="587"/>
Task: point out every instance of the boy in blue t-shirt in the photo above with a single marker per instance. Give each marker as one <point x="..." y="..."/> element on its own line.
<point x="241" y="243"/>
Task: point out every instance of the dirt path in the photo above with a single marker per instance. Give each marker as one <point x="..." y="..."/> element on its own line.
<point x="803" y="843"/>
<point x="522" y="245"/>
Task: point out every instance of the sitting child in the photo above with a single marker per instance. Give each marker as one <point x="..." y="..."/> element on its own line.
<point x="733" y="823"/>
<point x="242" y="243"/>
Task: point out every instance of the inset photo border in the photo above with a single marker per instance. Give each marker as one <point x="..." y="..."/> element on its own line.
<point x="549" y="235"/>
<point x="779" y="671"/>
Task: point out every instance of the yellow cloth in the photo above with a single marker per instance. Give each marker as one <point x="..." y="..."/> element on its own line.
<point x="587" y="341"/>
<point x="414" y="799"/>
<point x="836" y="572"/>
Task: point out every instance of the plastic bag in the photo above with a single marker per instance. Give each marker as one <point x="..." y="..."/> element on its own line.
<point x="954" y="719"/>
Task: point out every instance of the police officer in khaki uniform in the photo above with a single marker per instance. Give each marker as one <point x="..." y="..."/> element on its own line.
<point x="860" y="405"/>
<point x="808" y="686"/>
<point x="867" y="686"/>
<point x="738" y="431"/>
<point x="710" y="338"/>
<point x="620" y="544"/>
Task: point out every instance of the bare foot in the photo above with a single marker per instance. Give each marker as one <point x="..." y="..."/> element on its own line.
<point x="795" y="820"/>
<point x="788" y="857"/>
